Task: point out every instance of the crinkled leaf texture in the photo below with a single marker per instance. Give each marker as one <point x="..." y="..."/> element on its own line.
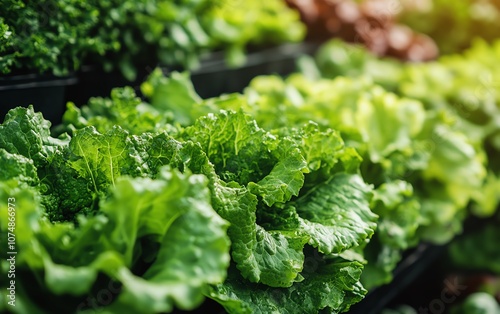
<point x="285" y="193"/>
<point x="26" y="133"/>
<point x="332" y="285"/>
<point x="336" y="214"/>
<point x="102" y="158"/>
<point x="171" y="212"/>
<point x="265" y="172"/>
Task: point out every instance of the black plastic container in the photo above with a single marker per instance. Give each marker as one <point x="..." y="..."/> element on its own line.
<point x="45" y="92"/>
<point x="95" y="82"/>
<point x="412" y="266"/>
<point x="213" y="78"/>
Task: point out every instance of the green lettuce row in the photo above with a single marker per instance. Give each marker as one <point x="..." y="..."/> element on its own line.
<point x="155" y="244"/>
<point x="60" y="36"/>
<point x="424" y="168"/>
<point x="263" y="173"/>
<point x="466" y="86"/>
<point x="104" y="207"/>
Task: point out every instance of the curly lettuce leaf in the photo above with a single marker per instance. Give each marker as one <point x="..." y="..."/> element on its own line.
<point x="172" y="212"/>
<point x="175" y="94"/>
<point x="243" y="152"/>
<point x="399" y="210"/>
<point x="17" y="166"/>
<point x="123" y="107"/>
<point x="381" y="260"/>
<point x="336" y="214"/>
<point x="32" y="156"/>
<point x="286" y="177"/>
<point x="27" y="133"/>
<point x="234" y="143"/>
<point x="455" y="161"/>
<point x="333" y="286"/>
<point x="261" y="256"/>
<point x="102" y="158"/>
<point x="178" y="275"/>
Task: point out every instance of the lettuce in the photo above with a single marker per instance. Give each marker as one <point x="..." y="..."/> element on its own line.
<point x="463" y="86"/>
<point x="425" y="170"/>
<point x="149" y="241"/>
<point x="69" y="259"/>
<point x="318" y="290"/>
<point x="152" y="212"/>
<point x="398" y="139"/>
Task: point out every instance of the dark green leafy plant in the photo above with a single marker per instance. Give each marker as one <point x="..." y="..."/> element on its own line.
<point x="48" y="36"/>
<point x="59" y="36"/>
<point x="90" y="213"/>
<point x="291" y="197"/>
<point x="424" y="169"/>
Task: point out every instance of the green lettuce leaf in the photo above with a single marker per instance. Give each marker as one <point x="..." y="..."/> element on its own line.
<point x="177" y="276"/>
<point x="17" y="166"/>
<point x="172" y="213"/>
<point x="336" y="214"/>
<point x="123" y="108"/>
<point x="102" y="158"/>
<point x="175" y="94"/>
<point x="333" y="285"/>
<point x="27" y="133"/>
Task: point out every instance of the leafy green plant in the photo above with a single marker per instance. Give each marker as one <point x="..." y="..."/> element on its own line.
<point x="235" y="24"/>
<point x="478" y="303"/>
<point x="424" y="169"/>
<point x="461" y="87"/>
<point x="468" y="19"/>
<point x="272" y="188"/>
<point x="464" y="86"/>
<point x="59" y="36"/>
<point x="88" y="216"/>
<point x="291" y="197"/>
<point x="48" y="36"/>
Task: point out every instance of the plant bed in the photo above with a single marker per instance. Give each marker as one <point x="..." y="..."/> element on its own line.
<point x="467" y="265"/>
<point x="331" y="181"/>
<point x="213" y="78"/>
<point x="414" y="264"/>
<point x="95" y="82"/>
<point x="45" y="92"/>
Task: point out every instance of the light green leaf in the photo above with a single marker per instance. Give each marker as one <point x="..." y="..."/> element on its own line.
<point x="333" y="286"/>
<point x="336" y="214"/>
